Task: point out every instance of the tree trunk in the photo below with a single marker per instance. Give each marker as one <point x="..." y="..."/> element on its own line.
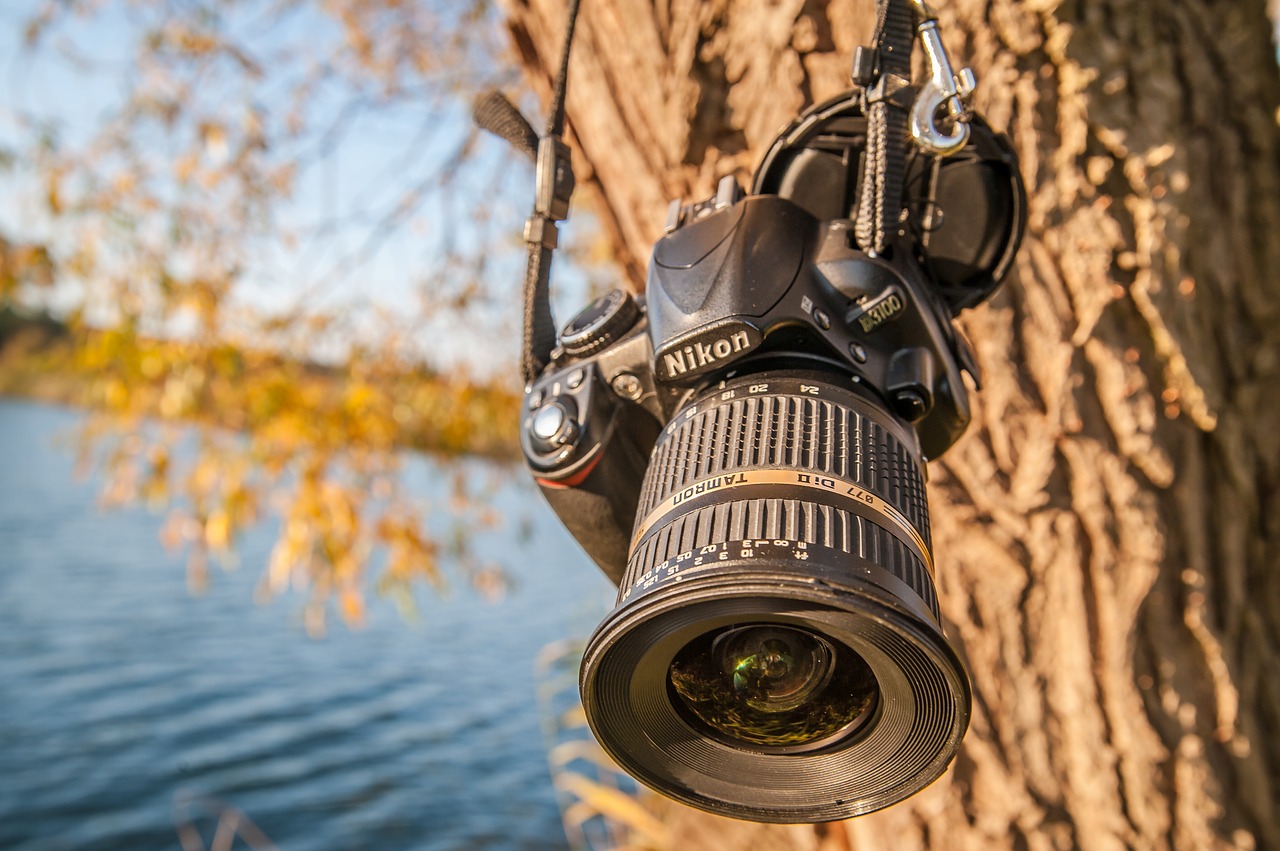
<point x="1107" y="534"/>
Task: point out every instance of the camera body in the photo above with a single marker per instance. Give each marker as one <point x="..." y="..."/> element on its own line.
<point x="744" y="285"/>
<point x="743" y="453"/>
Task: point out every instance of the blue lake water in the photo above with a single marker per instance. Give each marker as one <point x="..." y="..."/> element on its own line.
<point x="121" y="693"/>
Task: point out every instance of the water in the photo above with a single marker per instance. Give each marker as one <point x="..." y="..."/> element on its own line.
<point x="121" y="693"/>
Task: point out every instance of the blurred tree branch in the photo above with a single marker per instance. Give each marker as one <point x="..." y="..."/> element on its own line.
<point x="266" y="186"/>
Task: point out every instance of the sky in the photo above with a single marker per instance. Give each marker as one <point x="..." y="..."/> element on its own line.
<point x="346" y="263"/>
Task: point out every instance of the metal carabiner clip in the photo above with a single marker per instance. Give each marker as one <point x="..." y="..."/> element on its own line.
<point x="944" y="90"/>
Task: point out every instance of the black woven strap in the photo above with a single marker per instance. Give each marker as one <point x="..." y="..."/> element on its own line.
<point x="887" y="104"/>
<point x="555" y="170"/>
<point x="539" y="326"/>
<point x="494" y="112"/>
<point x="555" y="123"/>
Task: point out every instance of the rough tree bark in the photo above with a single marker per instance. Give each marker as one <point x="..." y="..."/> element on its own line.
<point x="1108" y="532"/>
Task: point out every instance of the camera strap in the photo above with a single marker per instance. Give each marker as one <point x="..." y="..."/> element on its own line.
<point x="554" y="188"/>
<point x="898" y="115"/>
<point x="884" y="73"/>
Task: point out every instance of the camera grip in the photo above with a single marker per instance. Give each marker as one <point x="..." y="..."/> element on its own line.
<point x="588" y="451"/>
<point x="598" y="504"/>
<point x="594" y="520"/>
<point x="598" y="515"/>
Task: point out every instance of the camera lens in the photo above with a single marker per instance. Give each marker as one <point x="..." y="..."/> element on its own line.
<point x="776" y="652"/>
<point x="772" y="686"/>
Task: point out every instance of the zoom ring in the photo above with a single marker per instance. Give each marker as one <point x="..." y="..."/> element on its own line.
<point x="820" y="435"/>
<point x="749" y="427"/>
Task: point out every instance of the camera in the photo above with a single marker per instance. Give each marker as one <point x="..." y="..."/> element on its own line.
<point x="743" y="452"/>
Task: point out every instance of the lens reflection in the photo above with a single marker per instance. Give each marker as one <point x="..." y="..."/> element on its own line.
<point x="772" y="685"/>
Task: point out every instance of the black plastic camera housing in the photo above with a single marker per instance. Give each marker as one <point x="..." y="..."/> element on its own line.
<point x="740" y="283"/>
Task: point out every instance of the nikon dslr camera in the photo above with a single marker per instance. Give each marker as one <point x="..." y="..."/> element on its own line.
<point x="743" y="452"/>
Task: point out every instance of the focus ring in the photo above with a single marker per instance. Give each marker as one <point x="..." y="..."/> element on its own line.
<point x="786" y="519"/>
<point x="839" y="434"/>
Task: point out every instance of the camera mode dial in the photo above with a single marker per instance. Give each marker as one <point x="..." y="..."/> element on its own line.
<point x="600" y="323"/>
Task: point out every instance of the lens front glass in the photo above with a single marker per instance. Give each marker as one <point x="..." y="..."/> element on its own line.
<point x="772" y="685"/>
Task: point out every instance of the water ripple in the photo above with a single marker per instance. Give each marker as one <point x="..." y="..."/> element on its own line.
<point x="119" y="691"/>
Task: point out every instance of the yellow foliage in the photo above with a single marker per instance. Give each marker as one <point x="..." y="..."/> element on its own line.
<point x="159" y="212"/>
<point x="322" y="443"/>
<point x="217" y="530"/>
